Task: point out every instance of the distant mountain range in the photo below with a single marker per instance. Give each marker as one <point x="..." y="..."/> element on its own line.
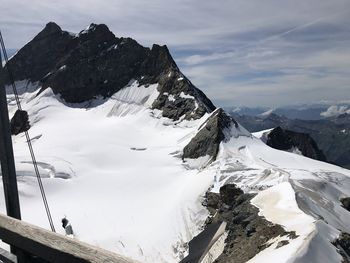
<point x="331" y="134"/>
<point x="315" y="111"/>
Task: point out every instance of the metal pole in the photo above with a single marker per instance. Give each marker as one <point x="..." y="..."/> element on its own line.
<point x="6" y="157"/>
<point x="8" y="169"/>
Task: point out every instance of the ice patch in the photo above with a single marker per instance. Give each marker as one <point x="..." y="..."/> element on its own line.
<point x="197" y="163"/>
<point x="171" y="97"/>
<point x="186" y="96"/>
<point x="295" y="150"/>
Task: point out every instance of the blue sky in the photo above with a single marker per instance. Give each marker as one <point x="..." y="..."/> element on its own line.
<point x="239" y="52"/>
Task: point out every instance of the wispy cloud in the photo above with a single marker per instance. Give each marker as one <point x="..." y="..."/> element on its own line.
<point x="335" y="110"/>
<point x="239" y="52"/>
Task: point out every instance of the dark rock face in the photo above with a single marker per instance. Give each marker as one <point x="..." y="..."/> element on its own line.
<point x="343" y="245"/>
<point x="346" y="203"/>
<point x="229" y="193"/>
<point x="186" y="100"/>
<point x="210" y="135"/>
<point x="96" y="63"/>
<point x="282" y="139"/>
<point x="247" y="231"/>
<point x="40" y="55"/>
<point x="19" y="122"/>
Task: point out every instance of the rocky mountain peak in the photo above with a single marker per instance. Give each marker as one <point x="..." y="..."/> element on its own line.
<point x="49" y="29"/>
<point x="96" y="63"/>
<point x="97" y="27"/>
<point x="164" y="58"/>
<point x="39" y="56"/>
<point x="97" y="33"/>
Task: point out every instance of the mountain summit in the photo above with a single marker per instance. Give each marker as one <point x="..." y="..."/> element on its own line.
<point x="94" y="62"/>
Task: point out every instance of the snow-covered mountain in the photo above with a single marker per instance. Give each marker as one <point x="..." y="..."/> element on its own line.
<point x="297" y="142"/>
<point x="133" y="154"/>
<point x="310" y="111"/>
<point x="331" y="135"/>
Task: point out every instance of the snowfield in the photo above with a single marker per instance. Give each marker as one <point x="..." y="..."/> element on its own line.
<point x="144" y="204"/>
<point x="299" y="193"/>
<point x="113" y="167"/>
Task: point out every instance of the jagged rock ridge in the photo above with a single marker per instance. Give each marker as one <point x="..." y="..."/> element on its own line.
<point x="248" y="233"/>
<point x="96" y="63"/>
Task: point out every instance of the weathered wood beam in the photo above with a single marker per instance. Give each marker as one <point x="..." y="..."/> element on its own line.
<point x="51" y="246"/>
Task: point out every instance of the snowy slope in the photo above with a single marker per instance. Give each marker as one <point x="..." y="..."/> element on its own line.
<point x="110" y="168"/>
<point x="296" y="192"/>
<point x="113" y="167"/>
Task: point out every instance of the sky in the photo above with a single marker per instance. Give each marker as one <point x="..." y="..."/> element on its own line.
<point x="239" y="52"/>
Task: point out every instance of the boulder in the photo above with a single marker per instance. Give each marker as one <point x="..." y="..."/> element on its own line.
<point x="346" y="203"/>
<point x="19" y="122"/>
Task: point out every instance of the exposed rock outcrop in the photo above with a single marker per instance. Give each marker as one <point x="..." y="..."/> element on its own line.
<point x="346" y="203"/>
<point x="207" y="140"/>
<point x="343" y="245"/>
<point x="248" y="233"/>
<point x="178" y="97"/>
<point x="287" y="140"/>
<point x="19" y="122"/>
<point x="80" y="67"/>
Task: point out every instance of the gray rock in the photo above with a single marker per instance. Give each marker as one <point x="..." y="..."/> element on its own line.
<point x="19" y="122"/>
<point x="248" y="232"/>
<point x="282" y="243"/>
<point x="343" y="245"/>
<point x="187" y="100"/>
<point x="210" y="135"/>
<point x="229" y="193"/>
<point x="346" y="203"/>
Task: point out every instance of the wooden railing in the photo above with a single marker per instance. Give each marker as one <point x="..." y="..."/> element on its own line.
<point x="35" y="244"/>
